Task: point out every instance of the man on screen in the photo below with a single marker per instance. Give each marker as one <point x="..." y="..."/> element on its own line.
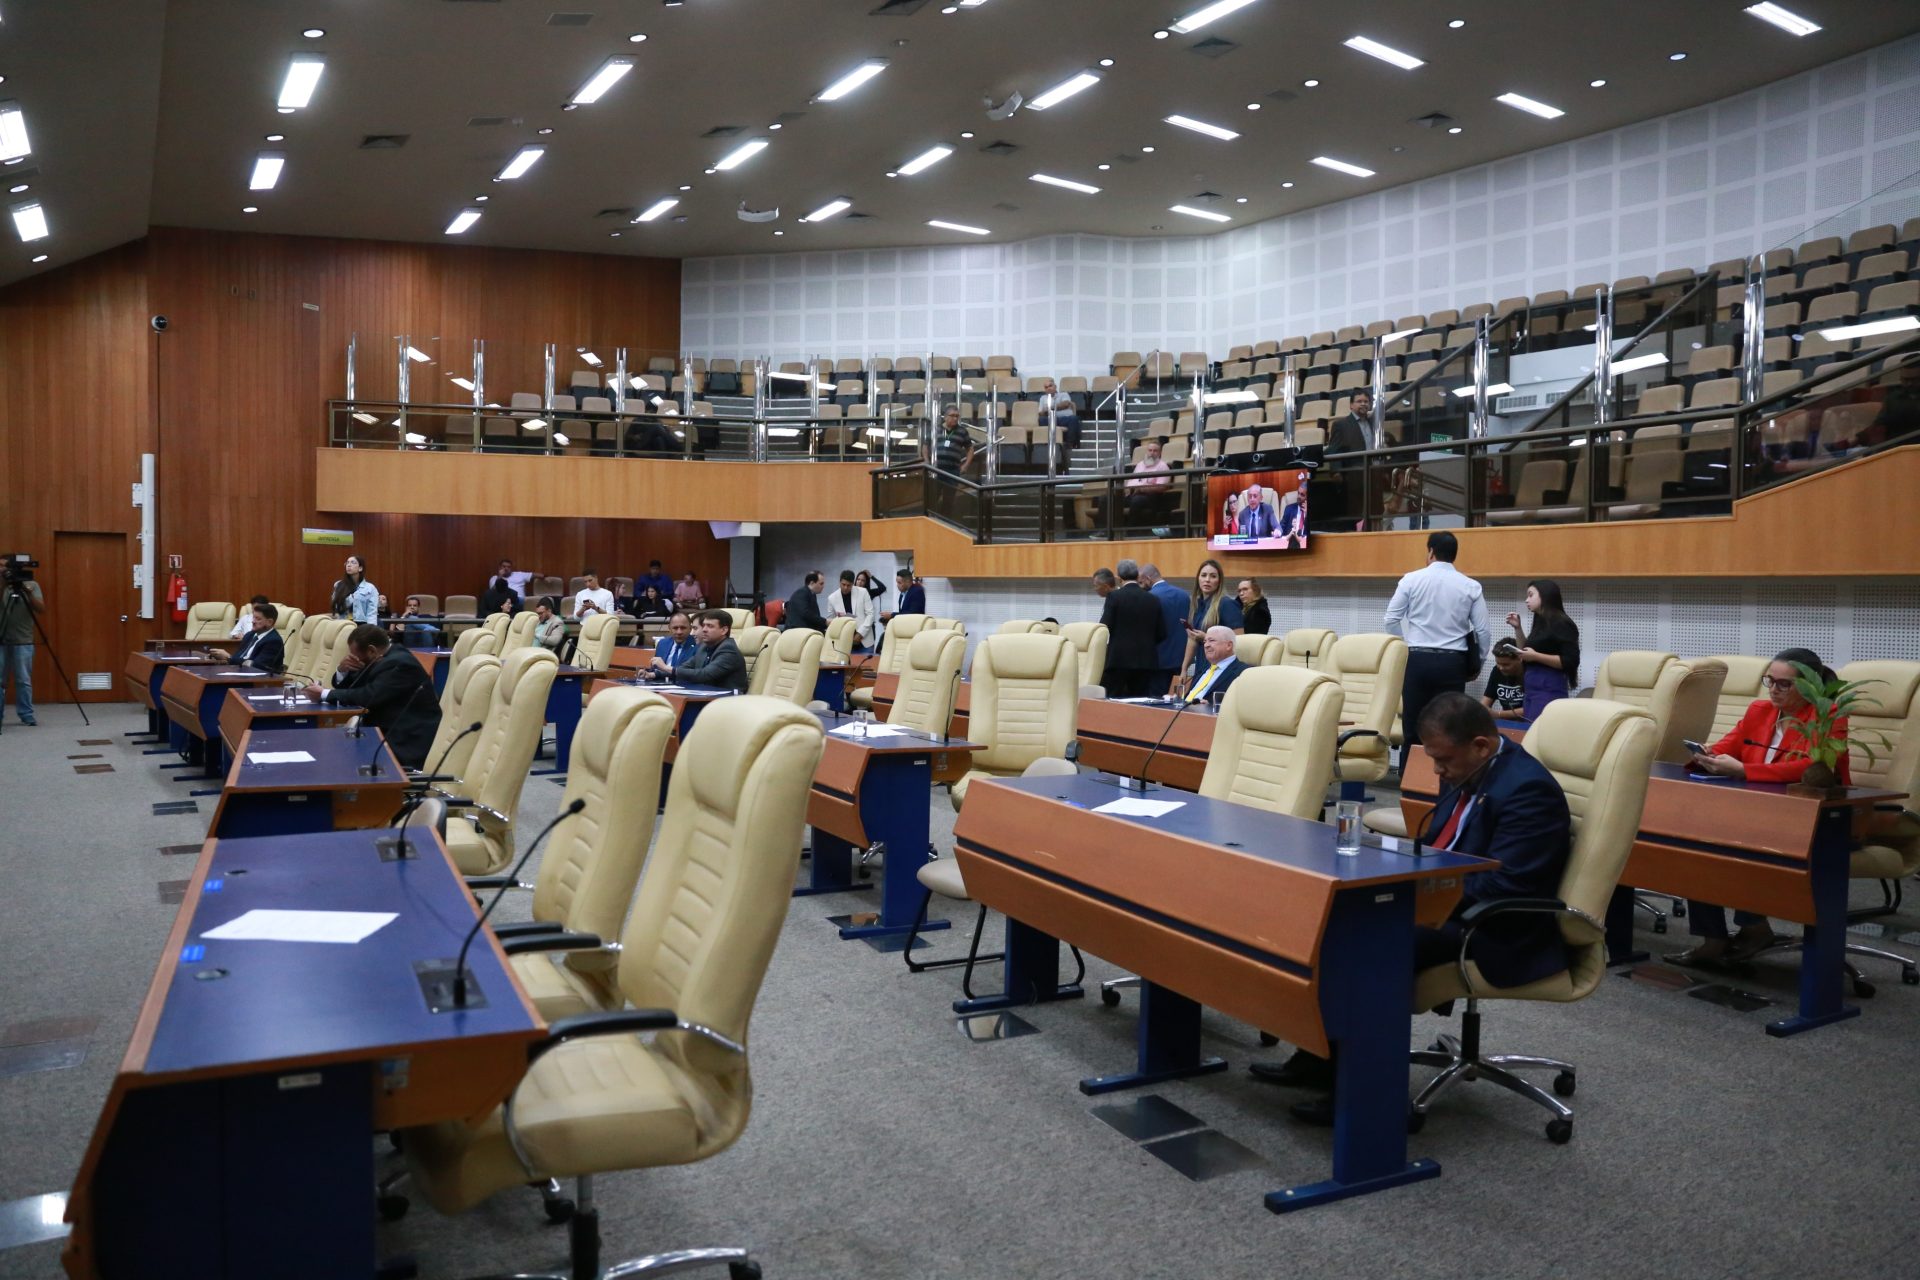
<point x="1256" y="517"/>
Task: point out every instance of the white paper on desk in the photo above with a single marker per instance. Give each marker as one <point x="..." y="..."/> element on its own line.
<point x="873" y="731"/>
<point x="1131" y="808"/>
<point x="1141" y="701"/>
<point x="266" y="925"/>
<point x="279" y="757"/>
<point x="266" y="697"/>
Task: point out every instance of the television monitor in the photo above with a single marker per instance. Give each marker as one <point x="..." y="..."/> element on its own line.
<point x="1257" y="511"/>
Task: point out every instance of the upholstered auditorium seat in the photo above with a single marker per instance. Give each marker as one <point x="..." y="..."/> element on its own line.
<point x="1310" y="647"/>
<point x="463" y="703"/>
<point x="1370" y="668"/>
<point x="924" y="697"/>
<point x="480" y="834"/>
<point x="1024" y="705"/>
<point x="210" y="621"/>
<point x="789" y="666"/>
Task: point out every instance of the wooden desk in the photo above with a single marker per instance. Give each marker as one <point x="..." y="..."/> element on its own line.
<point x="884" y="687"/>
<point x="1225" y="905"/>
<point x="145" y="670"/>
<point x="439" y="665"/>
<point x="350" y="782"/>
<point x="1758" y="846"/>
<point x="1118" y="736"/>
<point x="237" y="1138"/>
<point x="192" y="697"/>
<point x="877" y="793"/>
<point x="246" y="709"/>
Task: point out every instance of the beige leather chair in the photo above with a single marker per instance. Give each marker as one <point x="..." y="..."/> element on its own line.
<point x="563" y="956"/>
<point x="519" y="632"/>
<point x="1020" y="627"/>
<point x="1602" y="753"/>
<point x="480" y="833"/>
<point x="742" y="618"/>
<point x="498" y="624"/>
<point x="1309" y="647"/>
<point x="1740" y="691"/>
<point x="597" y="1099"/>
<point x="463" y="703"/>
<point x="923" y="699"/>
<point x="1089" y="641"/>
<point x="288" y="624"/>
<point x="1024" y="705"/>
<point x="756" y="646"/>
<point x="471" y="641"/>
<point x="894" y="642"/>
<point x="332" y="641"/>
<point x="461" y="606"/>
<point x="306" y="645"/>
<point x="791" y="666"/>
<point x="1371" y="669"/>
<point x="210" y="621"/>
<point x="947" y="624"/>
<point x="1258" y="651"/>
<point x="842" y="634"/>
<point x="599" y="635"/>
<point x="1682" y="696"/>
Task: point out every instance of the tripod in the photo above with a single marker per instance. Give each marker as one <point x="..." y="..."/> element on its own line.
<point x="16" y="596"/>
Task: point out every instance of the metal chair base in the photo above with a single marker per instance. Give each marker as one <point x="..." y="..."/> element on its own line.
<point x="583" y="1254"/>
<point x="1459" y="1058"/>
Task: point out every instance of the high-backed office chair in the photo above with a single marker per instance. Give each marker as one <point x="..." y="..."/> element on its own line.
<point x="946" y="624"/>
<point x="519" y="632"/>
<point x="894" y="642"/>
<point x="464" y="703"/>
<point x="695" y="950"/>
<point x="498" y="624"/>
<point x="332" y="640"/>
<point x="562" y="955"/>
<point x="1371" y="669"/>
<point x="599" y="635"/>
<point x="842" y="634"/>
<point x="792" y="666"/>
<point x="1020" y="627"/>
<point x="756" y="649"/>
<point x="742" y="618"/>
<point x="471" y="641"/>
<point x="461" y="606"/>
<point x="480" y="833"/>
<point x="924" y="697"/>
<point x="1681" y="695"/>
<point x="306" y="645"/>
<point x="1089" y="641"/>
<point x="1602" y="753"/>
<point x="210" y="621"/>
<point x="1740" y="690"/>
<point x="288" y="624"/>
<point x="1309" y="647"/>
<point x="1259" y="651"/>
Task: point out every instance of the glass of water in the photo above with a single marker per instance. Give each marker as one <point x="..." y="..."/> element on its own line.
<point x="1346" y="817"/>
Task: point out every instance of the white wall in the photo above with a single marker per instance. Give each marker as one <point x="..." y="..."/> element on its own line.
<point x="1720" y="181"/>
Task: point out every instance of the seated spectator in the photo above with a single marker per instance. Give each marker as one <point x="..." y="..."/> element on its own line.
<point x="499" y="597"/>
<point x="675" y="647"/>
<point x="655" y="578"/>
<point x="592" y="598"/>
<point x="1065" y="416"/>
<point x="413" y="634"/>
<point x="551" y="631"/>
<point x="263" y="649"/>
<point x="1506" y="694"/>
<point x="1148" y="494"/>
<point x="243" y="625"/>
<point x="718" y="662"/>
<point x="393" y="691"/>
<point x="688" y="593"/>
<point x="649" y="436"/>
<point x="651" y="604"/>
<point x="516" y="578"/>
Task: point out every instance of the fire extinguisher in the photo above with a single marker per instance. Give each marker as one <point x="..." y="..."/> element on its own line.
<point x="177" y="594"/>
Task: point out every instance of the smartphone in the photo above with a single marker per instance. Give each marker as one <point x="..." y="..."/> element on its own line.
<point x="1695" y="747"/>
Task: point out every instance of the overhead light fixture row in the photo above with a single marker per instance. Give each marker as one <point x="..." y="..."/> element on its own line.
<point x="30" y="220"/>
<point x="657" y="208"/>
<point x="958" y="226"/>
<point x="1201" y="17"/>
<point x="1064" y="90"/>
<point x="831" y="209"/>
<point x="1521" y="102"/>
<point x="1192" y="212"/>
<point x="847" y="83"/>
<point x="925" y="160"/>
<point x="1785" y="19"/>
<point x="1066" y="183"/>
<point x="1386" y="53"/>
<point x="1339" y="166"/>
<point x="610" y="73"/>
<point x="523" y="159"/>
<point x="1201" y="126"/>
<point x="303" y="77"/>
<point x="461" y="221"/>
<point x="14" y="144"/>
<point x="740" y="154"/>
<point x="266" y="171"/>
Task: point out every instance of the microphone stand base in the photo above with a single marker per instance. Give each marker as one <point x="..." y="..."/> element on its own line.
<point x="436" y="986"/>
<point x="1139" y="786"/>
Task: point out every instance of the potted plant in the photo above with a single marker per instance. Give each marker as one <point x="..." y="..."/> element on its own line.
<point x="1827" y="702"/>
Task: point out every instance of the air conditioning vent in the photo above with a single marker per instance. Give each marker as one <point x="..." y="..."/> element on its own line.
<point x="898" y="9"/>
<point x="725" y="131"/>
<point x="483" y="122"/>
<point x="96" y="681"/>
<point x="1213" y="47"/>
<point x="1283" y="95"/>
<point x="1206" y="196"/>
<point x="384" y="141"/>
<point x="569" y="19"/>
<point x="1432" y="120"/>
<point x="855" y="216"/>
<point x="615" y="215"/>
<point x="1002" y="148"/>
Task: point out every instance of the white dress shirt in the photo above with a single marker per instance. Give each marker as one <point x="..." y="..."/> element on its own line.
<point x="243" y="626"/>
<point x="1435" y="608"/>
<point x="600" y="598"/>
<point x="1210" y="677"/>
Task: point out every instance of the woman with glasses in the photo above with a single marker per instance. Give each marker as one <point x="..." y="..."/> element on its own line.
<point x="1764" y="747"/>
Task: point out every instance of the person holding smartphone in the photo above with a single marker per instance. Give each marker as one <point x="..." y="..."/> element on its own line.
<point x="1212" y="607"/>
<point x="1549" y="648"/>
<point x="1506" y="695"/>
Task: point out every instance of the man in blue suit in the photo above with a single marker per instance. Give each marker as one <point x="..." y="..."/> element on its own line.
<point x="913" y="596"/>
<point x="1174" y="604"/>
<point x="675" y="647"/>
<point x="1256" y="517"/>
<point x="1222" y="667"/>
<point x="1497" y="802"/>
<point x="263" y="649"/>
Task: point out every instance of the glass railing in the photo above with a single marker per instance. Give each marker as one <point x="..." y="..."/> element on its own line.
<point x="1077" y="509"/>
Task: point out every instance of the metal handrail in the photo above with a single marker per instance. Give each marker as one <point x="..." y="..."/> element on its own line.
<point x="1122" y="384"/>
<point x="1439" y="367"/>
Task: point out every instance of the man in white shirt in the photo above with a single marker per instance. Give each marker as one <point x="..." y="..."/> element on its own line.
<point x="591" y="598"/>
<point x="1147" y="496"/>
<point x="1063" y="415"/>
<point x="243" y="625"/>
<point x="1223" y="668"/>
<point x="1437" y="610"/>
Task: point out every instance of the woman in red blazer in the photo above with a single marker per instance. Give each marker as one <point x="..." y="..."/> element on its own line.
<point x="1761" y="748"/>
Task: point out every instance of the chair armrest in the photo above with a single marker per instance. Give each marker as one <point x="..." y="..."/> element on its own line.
<point x="558" y="940"/>
<point x="477" y="883"/>
<point x="524" y="928"/>
<point x="621" y="1022"/>
<point x="1495" y="906"/>
<point x="1344" y="738"/>
<point x="462" y="802"/>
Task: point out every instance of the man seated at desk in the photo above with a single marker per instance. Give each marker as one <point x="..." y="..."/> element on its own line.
<point x="263" y="649"/>
<point x="393" y="691"/>
<point x="717" y="663"/>
<point x="675" y="647"/>
<point x="1497" y="802"/>
<point x="243" y="625"/>
<point x="1222" y="669"/>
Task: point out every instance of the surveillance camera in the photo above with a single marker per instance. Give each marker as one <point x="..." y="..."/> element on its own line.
<point x="159" y="324"/>
<point x="1006" y="109"/>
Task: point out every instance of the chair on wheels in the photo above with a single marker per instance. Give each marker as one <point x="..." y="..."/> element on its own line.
<point x="842" y="634"/>
<point x="1602" y="753"/>
<point x="480" y="832"/>
<point x="519" y="632"/>
<point x="597" y="1099"/>
<point x="1309" y="647"/>
<point x="893" y="653"/>
<point x="1089" y="641"/>
<point x="1371" y="668"/>
<point x="1740" y="691"/>
<point x="210" y="622"/>
<point x="789" y="666"/>
<point x="599" y="636"/>
<point x="463" y="704"/>
<point x="756" y="649"/>
<point x="1259" y="651"/>
<point x="924" y="698"/>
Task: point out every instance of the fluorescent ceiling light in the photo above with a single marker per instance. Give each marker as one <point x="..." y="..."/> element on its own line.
<point x="589" y="357"/>
<point x="1064" y="90"/>
<point x="1201" y="17"/>
<point x="1493" y="389"/>
<point x="1341" y="166"/>
<point x="1052" y="181"/>
<point x="1785" y="19"/>
<point x="303" y="77"/>
<point x="1531" y="107"/>
<point x="604" y="79"/>
<point x="562" y="439"/>
<point x="1191" y="212"/>
<point x="523" y="159"/>
<point x="30" y="220"/>
<point x="1639" y="362"/>
<point x="1398" y="334"/>
<point x="831" y="209"/>
<point x="418" y="356"/>
<point x="847" y="83"/>
<point x="266" y="171"/>
<point x="414" y="437"/>
<point x="1230" y="397"/>
<point x="1871" y="329"/>
<point x="13" y="132"/>
<point x="1201" y="126"/>
<point x="741" y="154"/>
<point x="535" y="424"/>
<point x="367" y="418"/>
<point x="465" y="384"/>
<point x="657" y="208"/>
<point x="462" y="220"/>
<point x="925" y="160"/>
<point x="957" y="226"/>
<point x="784" y="433"/>
<point x="1386" y="53"/>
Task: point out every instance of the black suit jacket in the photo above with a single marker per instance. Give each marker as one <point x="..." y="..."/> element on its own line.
<point x="803" y="610"/>
<point x="1217" y="691"/>
<point x="1347" y="436"/>
<point x="721" y="667"/>
<point x="395" y="695"/>
<point x="1521" y="821"/>
<point x="1135" y="627"/>
<point x="262" y="650"/>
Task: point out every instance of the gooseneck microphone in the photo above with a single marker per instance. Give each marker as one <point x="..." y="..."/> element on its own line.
<point x="953" y="695"/>
<point x="460" y="961"/>
<point x="401" y="849"/>
<point x="1140" y="783"/>
<point x="754" y="661"/>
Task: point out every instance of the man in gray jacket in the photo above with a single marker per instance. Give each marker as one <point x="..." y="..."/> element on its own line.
<point x="717" y="663"/>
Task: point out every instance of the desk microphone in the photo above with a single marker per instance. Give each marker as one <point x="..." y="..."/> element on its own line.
<point x="400" y="847"/>
<point x="1140" y="783"/>
<point x="371" y="769"/>
<point x="460" y="961"/>
<point x="953" y="695"/>
<point x="1770" y="749"/>
<point x="754" y="661"/>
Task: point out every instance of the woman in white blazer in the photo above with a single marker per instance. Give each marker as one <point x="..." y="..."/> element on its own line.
<point x="853" y="601"/>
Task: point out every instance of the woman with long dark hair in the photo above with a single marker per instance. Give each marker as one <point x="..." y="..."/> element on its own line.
<point x="353" y="596"/>
<point x="1549" y="648"/>
<point x="499" y="597"/>
<point x="1213" y="606"/>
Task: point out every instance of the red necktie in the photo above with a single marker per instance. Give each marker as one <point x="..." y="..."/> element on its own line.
<point x="1445" y="839"/>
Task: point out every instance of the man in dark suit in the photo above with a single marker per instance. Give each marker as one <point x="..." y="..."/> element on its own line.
<point x="677" y="646"/>
<point x="1135" y="628"/>
<point x="1175" y="605"/>
<point x="393" y="691"/>
<point x="718" y="662"/>
<point x="803" y="607"/>
<point x="1222" y="669"/>
<point x="1496" y="802"/>
<point x="1353" y="433"/>
<point x="263" y="649"/>
<point x="1256" y="517"/>
<point x="913" y="596"/>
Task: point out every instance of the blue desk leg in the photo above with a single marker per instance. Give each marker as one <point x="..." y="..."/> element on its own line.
<point x="895" y="798"/>
<point x="832" y="867"/>
<point x="563" y="712"/>
<point x="1620" y="948"/>
<point x="1366" y="988"/>
<point x="1169" y="1040"/>
<point x="1823" y="958"/>
<point x="1032" y="972"/>
<point x="830" y="687"/>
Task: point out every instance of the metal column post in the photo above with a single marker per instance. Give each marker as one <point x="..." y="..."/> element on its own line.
<point x="1603" y="358"/>
<point x="479" y="387"/>
<point x="1120" y="450"/>
<point x="403" y="378"/>
<point x="757" y="443"/>
<point x="686" y="387"/>
<point x="1379" y="390"/>
<point x="1289" y="400"/>
<point x="992" y="470"/>
<point x="619" y="379"/>
<point x="1053" y="443"/>
<point x="1477" y="428"/>
<point x="546" y="385"/>
<point x="1199" y="424"/>
<point x="1755" y="337"/>
<point x="353" y="344"/>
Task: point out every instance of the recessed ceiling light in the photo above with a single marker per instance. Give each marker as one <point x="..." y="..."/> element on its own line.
<point x="1520" y="102"/>
<point x="1287" y="184"/>
<point x="544" y="132"/>
<point x="958" y="226"/>
<point x="1596" y="84"/>
<point x="569" y="106"/>
<point x="952" y="8"/>
<point x="1064" y="90"/>
<point x="266" y="171"/>
<point x="462" y="220"/>
<point x="13" y="132"/>
<point x="1311" y="84"/>
<point x="1106" y="62"/>
<point x="966" y="133"/>
<point x="779" y="233"/>
<point x="252" y="208"/>
<point x="1105" y="167"/>
<point x="1253" y="106"/>
<point x="847" y="83"/>
<point x="18" y="187"/>
<point x="638" y="37"/>
<point x="831" y="209"/>
<point x="303" y="77"/>
<point x="741" y="154"/>
<point x="1341" y="166"/>
<point x="925" y="160"/>
<point x="1191" y="212"/>
<point x="1201" y="17"/>
<point x="523" y="159"/>
<point x="686" y="188"/>
<point x="1159" y="35"/>
<point x="30" y="220"/>
<point x="611" y="72"/>
<point x="1147" y="150"/>
<point x="313" y="33"/>
<point x="285" y="111"/>
<point x="657" y="208"/>
<point x="1453" y="128"/>
<point x="276" y="137"/>
<point x="710" y="171"/>
<point x="1457" y="23"/>
<point x="1239" y="199"/>
<point x="1386" y="53"/>
<point x="481" y="199"/>
<point x="1677" y="57"/>
<point x="1068" y="184"/>
<point x="1201" y="126"/>
<point x="1785" y="19"/>
<point x="39" y="257"/>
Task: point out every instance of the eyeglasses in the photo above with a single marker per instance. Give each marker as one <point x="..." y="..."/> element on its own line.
<point x="1776" y="682"/>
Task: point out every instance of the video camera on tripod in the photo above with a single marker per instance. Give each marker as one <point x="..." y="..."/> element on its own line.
<point x="17" y="569"/>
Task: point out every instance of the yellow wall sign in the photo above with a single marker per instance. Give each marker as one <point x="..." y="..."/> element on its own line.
<point x="327" y="537"/>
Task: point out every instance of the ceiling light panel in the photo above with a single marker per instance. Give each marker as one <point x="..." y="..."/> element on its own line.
<point x="1521" y="102"/>
<point x="523" y="159"/>
<point x="1066" y="183"/>
<point x="1201" y="126"/>
<point x="847" y="83"/>
<point x="266" y="171"/>
<point x="740" y="154"/>
<point x="657" y="208"/>
<point x="1785" y="19"/>
<point x="611" y="73"/>
<point x="925" y="160"/>
<point x="957" y="226"/>
<point x="831" y="209"/>
<point x="1201" y="17"/>
<point x="30" y="220"/>
<point x="1386" y="53"/>
<point x="1064" y="90"/>
<point x="303" y="77"/>
<point x="13" y="132"/>
<point x="1192" y="212"/>
<point x="461" y="221"/>
<point x="1341" y="166"/>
